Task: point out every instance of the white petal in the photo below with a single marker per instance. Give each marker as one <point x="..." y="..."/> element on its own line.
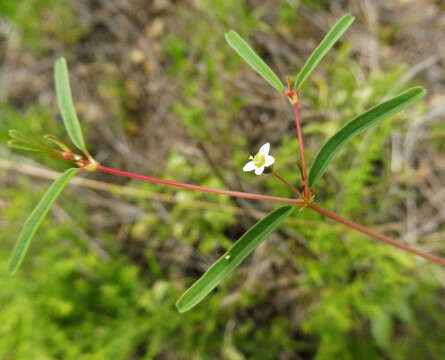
<point x="264" y="150"/>
<point x="249" y="166"/>
<point x="269" y="160"/>
<point x="259" y="171"/>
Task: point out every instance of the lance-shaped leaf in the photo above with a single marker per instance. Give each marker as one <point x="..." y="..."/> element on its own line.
<point x="359" y="124"/>
<point x="63" y="90"/>
<point x="35" y="219"/>
<point x="232" y="258"/>
<point x="15" y="144"/>
<point x="329" y="40"/>
<point x="18" y="135"/>
<point x="58" y="142"/>
<point x="250" y="56"/>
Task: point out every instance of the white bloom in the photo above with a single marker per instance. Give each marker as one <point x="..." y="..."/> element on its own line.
<point x="261" y="160"/>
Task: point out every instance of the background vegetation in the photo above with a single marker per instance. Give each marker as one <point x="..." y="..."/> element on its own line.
<point x="160" y="92"/>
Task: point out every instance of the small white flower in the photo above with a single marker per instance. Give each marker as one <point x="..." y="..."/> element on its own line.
<point x="261" y="160"/>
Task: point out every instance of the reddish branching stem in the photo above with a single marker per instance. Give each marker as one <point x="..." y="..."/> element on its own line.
<point x="306" y="199"/>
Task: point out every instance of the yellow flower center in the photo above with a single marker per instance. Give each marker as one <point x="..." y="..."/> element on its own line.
<point x="259" y="160"/>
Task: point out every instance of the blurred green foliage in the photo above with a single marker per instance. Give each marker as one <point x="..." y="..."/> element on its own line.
<point x="39" y="21"/>
<point x="352" y="298"/>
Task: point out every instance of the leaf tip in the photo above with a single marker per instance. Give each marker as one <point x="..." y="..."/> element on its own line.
<point x="349" y="16"/>
<point x="60" y="61"/>
<point x="12" y="269"/>
<point x="231" y="32"/>
<point x="180" y="306"/>
<point x="12" y="132"/>
<point x="347" y="19"/>
<point x="15" y="261"/>
<point x="421" y="89"/>
<point x="229" y="35"/>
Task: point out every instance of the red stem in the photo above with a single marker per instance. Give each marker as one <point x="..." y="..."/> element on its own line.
<point x="374" y="234"/>
<point x="300" y="142"/>
<point x="293" y="188"/>
<point x="238" y="194"/>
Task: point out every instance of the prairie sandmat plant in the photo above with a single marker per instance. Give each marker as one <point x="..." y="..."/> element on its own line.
<point x="261" y="163"/>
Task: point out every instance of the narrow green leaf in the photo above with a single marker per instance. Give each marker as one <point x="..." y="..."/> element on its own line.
<point x="329" y="40"/>
<point x="232" y="258"/>
<point x="359" y="124"/>
<point x="250" y="56"/>
<point x="35" y="219"/>
<point x="66" y="105"/>
<point x="58" y="142"/>
<point x="18" y="135"/>
<point x="19" y="145"/>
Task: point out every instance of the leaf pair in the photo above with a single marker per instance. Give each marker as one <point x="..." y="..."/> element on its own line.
<point x="353" y="128"/>
<point x="24" y="142"/>
<point x="249" y="55"/>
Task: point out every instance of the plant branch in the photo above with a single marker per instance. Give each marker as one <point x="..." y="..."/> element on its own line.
<point x="374" y="234"/>
<point x="293" y="188"/>
<point x="238" y="194"/>
<point x="300" y="143"/>
<point x="138" y="193"/>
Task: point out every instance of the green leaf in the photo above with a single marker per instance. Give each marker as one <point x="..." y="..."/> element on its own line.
<point x="18" y="135"/>
<point x="250" y="56"/>
<point x="359" y="124"/>
<point x="329" y="40"/>
<point x="19" y="145"/>
<point x="35" y="219"/>
<point x="58" y="142"/>
<point x="66" y="105"/>
<point x="232" y="258"/>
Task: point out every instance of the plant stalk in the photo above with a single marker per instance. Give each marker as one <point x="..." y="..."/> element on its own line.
<point x="300" y="143"/>
<point x="238" y="194"/>
<point x="293" y="188"/>
<point x="374" y="234"/>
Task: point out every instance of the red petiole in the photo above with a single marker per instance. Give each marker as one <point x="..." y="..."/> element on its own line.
<point x="306" y="189"/>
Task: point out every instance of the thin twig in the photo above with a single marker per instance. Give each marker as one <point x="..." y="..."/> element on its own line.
<point x="293" y="188"/>
<point x="300" y="143"/>
<point x="239" y="194"/>
<point x="374" y="234"/>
